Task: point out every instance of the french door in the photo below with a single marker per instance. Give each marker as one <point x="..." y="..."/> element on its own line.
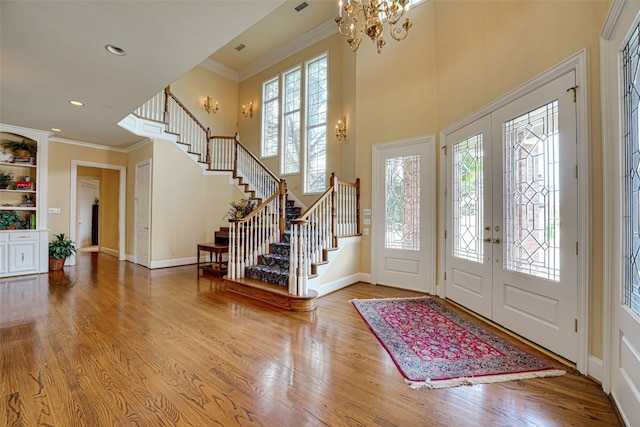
<point x="512" y="216"/>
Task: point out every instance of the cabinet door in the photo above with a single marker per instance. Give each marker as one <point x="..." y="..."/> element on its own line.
<point x="3" y="257"/>
<point x="23" y="253"/>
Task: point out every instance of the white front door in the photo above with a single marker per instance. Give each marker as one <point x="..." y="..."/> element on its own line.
<point x="513" y="183"/>
<point x="143" y="212"/>
<point x="621" y="60"/>
<point x="404" y="214"/>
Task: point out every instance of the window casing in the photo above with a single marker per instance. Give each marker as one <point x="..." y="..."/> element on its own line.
<point x="316" y="125"/>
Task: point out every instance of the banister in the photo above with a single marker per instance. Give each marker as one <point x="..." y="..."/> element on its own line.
<point x="168" y="92"/>
<point x="315" y="204"/>
<point x="257" y="209"/>
<point x="253" y="156"/>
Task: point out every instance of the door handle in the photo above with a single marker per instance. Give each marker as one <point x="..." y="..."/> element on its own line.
<point x="487" y="239"/>
<point x="496" y="241"/>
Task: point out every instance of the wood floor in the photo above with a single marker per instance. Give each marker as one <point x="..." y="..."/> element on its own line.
<point x="108" y="343"/>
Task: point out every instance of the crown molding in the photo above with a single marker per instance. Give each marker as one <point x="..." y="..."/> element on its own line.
<point x="320" y="32"/>
<point x="138" y="145"/>
<point x="87" y="145"/>
<point x="221" y="69"/>
<point x="615" y="10"/>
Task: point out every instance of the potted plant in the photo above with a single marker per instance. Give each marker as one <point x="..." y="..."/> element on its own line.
<point x="6" y="179"/>
<point x="9" y="220"/>
<point x="240" y="209"/>
<point x="59" y="250"/>
<point x="22" y="148"/>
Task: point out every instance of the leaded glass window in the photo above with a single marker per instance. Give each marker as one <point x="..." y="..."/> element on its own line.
<point x="402" y="202"/>
<point x="468" y="196"/>
<point x="630" y="69"/>
<point x="532" y="193"/>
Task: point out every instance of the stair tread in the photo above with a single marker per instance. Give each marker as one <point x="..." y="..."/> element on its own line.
<point x="247" y="281"/>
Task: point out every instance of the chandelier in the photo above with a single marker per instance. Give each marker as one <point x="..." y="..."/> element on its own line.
<point x="368" y="16"/>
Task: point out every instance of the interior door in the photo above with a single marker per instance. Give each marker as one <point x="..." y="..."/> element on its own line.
<point x="511" y="184"/>
<point x="142" y="212"/>
<point x="404" y="214"/>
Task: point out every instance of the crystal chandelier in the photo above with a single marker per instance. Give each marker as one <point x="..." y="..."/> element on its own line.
<point x="359" y="17"/>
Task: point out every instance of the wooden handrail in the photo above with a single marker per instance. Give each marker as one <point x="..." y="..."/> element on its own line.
<point x="168" y="92"/>
<point x="257" y="209"/>
<point x="319" y="200"/>
<point x="254" y="157"/>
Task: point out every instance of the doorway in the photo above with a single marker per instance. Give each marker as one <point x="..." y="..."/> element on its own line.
<point x="404" y="212"/>
<point x="88" y="218"/>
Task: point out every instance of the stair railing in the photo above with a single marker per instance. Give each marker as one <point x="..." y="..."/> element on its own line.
<point x="252" y="236"/>
<point x="336" y="213"/>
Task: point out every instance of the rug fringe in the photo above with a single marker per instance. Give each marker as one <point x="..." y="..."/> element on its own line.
<point x="489" y="379"/>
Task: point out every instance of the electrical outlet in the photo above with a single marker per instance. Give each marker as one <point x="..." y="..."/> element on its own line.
<point x="365" y="231"/>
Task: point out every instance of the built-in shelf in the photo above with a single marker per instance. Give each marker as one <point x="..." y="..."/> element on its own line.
<point x="25" y="165"/>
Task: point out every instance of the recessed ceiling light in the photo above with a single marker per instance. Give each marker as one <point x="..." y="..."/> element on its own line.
<point x="301" y="6"/>
<point x="240" y="47"/>
<point x="56" y="130"/>
<point x="76" y="103"/>
<point x="115" y="50"/>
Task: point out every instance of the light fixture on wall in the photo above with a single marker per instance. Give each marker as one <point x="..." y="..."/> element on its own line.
<point x="248" y="112"/>
<point x="368" y="17"/>
<point x="209" y="106"/>
<point x="341" y="129"/>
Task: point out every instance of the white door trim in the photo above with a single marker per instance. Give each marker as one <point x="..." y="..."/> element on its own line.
<point x="577" y="63"/>
<point x="376" y="223"/>
<point x="135" y="213"/>
<point x="121" y="202"/>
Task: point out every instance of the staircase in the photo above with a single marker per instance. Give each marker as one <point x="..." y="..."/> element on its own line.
<point x="275" y="251"/>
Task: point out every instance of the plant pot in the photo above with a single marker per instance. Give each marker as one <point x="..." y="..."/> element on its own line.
<point x="4" y="186"/>
<point x="22" y="153"/>
<point x="56" y="264"/>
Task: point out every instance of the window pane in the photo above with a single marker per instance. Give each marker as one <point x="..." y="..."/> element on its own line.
<point x="270" y="113"/>
<point x="631" y="123"/>
<point x="291" y="122"/>
<point x="532" y="193"/>
<point x="468" y="196"/>
<point x="402" y="203"/>
<point x="316" y="140"/>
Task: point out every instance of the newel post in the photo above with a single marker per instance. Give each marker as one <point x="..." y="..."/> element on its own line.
<point x="282" y="187"/>
<point x="334" y="209"/>
<point x="208" y="147"/>
<point x="166" y="104"/>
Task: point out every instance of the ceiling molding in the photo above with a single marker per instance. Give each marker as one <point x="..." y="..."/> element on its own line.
<point x="138" y="145"/>
<point x="221" y="69"/>
<point x="320" y="32"/>
<point x="87" y="145"/>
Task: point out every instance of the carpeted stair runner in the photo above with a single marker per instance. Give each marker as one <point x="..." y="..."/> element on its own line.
<point x="274" y="266"/>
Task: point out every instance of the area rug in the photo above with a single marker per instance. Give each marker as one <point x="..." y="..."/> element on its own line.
<point x="433" y="347"/>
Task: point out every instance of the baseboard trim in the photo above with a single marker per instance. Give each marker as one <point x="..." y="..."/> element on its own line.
<point x="336" y="285"/>
<point x="595" y="368"/>
<point x="172" y="262"/>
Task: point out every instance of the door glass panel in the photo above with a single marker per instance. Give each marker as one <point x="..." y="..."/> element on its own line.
<point x="402" y="203"/>
<point x="468" y="196"/>
<point x="631" y="65"/>
<point x="532" y="193"/>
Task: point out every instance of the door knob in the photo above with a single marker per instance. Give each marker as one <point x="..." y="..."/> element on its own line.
<point x="487" y="239"/>
<point x="496" y="241"/>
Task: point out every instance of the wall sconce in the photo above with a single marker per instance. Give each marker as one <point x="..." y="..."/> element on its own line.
<point x="209" y="107"/>
<point x="341" y="129"/>
<point x="248" y="112"/>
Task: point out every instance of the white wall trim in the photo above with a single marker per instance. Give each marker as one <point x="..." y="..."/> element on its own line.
<point x="87" y="145"/>
<point x="121" y="202"/>
<point x="109" y="251"/>
<point x="577" y="63"/>
<point x="220" y="69"/>
<point x="175" y="262"/>
<point x="596" y="368"/>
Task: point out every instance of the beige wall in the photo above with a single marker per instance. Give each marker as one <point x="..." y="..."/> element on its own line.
<point x="187" y="206"/>
<point x="198" y="83"/>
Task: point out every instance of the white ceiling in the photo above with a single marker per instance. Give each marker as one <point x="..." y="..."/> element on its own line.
<point x="53" y="51"/>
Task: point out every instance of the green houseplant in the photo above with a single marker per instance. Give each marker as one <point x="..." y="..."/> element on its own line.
<point x="22" y="147"/>
<point x="59" y="250"/>
<point x="9" y="220"/>
<point x="6" y="178"/>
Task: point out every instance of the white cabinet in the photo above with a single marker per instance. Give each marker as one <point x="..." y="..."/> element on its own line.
<point x="23" y="252"/>
<point x="4" y="253"/>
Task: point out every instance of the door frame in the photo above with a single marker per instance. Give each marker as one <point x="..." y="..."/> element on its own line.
<point x="578" y="63"/>
<point x="135" y="212"/>
<point x="122" y="191"/>
<point x="377" y="223"/>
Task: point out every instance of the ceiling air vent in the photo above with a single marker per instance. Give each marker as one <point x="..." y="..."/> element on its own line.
<point x="301" y="6"/>
<point x="240" y="47"/>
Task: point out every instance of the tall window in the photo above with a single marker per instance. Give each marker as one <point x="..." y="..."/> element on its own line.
<point x="631" y="123"/>
<point x="316" y="138"/>
<point x="270" y="117"/>
<point x="291" y="122"/>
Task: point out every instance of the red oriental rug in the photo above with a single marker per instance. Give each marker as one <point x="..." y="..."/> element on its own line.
<point x="433" y="347"/>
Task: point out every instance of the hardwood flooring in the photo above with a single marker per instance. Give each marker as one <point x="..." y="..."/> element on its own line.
<point x="108" y="343"/>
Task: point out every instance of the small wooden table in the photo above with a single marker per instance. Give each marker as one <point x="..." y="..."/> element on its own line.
<point x="213" y="266"/>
